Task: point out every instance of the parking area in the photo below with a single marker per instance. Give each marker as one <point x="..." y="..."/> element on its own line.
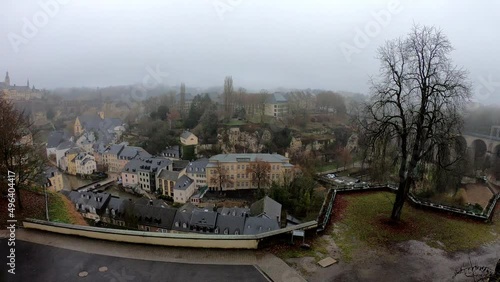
<point x="343" y="180"/>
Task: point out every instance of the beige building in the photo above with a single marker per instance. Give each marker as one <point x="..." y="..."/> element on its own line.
<point x="116" y="157"/>
<point x="53" y="179"/>
<point x="85" y="164"/>
<point x="183" y="190"/>
<point x="18" y="93"/>
<point x="167" y="180"/>
<point x="188" y="139"/>
<point x="276" y="106"/>
<point x="234" y="169"/>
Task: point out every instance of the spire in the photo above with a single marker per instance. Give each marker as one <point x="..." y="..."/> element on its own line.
<point x="7" y="79"/>
<point x="28" y="84"/>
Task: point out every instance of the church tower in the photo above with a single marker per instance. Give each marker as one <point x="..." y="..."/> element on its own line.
<point x="7" y="79"/>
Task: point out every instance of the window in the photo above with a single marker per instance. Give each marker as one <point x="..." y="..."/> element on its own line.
<point x="147" y="228"/>
<point x="184" y="225"/>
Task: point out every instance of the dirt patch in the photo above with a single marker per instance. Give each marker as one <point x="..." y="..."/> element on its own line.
<point x="478" y="194"/>
<point x="33" y="207"/>
<point x="75" y="216"/>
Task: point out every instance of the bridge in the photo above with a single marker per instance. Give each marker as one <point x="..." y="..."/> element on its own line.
<point x="96" y="185"/>
<point x="481" y="146"/>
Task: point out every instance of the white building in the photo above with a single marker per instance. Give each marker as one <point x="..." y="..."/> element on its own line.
<point x="197" y="171"/>
<point x="85" y="164"/>
<point x="184" y="188"/>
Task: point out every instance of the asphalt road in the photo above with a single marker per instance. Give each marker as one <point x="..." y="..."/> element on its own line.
<point x="36" y="262"/>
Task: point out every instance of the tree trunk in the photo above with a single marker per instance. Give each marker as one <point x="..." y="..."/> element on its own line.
<point x="401" y="194"/>
<point x="18" y="195"/>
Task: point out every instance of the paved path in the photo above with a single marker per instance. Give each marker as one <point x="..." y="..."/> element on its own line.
<point x="273" y="267"/>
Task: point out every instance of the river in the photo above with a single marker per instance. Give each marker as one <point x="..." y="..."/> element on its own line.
<point x="72" y="182"/>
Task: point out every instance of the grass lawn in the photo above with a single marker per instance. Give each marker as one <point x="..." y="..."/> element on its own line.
<point x="328" y="167"/>
<point x="236" y="122"/>
<point x="363" y="219"/>
<point x="62" y="210"/>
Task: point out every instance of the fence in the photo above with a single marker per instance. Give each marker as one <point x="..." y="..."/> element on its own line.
<point x="194" y="240"/>
<point x="327" y="208"/>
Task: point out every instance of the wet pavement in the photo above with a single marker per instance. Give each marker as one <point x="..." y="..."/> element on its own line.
<point x="36" y="262"/>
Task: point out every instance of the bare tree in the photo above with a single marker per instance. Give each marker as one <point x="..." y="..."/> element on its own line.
<point x="220" y="177"/>
<point x="18" y="152"/>
<point x="260" y="173"/>
<point x="417" y="101"/>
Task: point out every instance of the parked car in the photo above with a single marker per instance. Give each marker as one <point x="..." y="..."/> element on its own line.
<point x="331" y="175"/>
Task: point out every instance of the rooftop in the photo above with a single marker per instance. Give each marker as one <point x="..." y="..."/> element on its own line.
<point x="234" y="158"/>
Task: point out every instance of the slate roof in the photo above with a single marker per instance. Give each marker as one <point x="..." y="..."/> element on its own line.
<point x="161" y="217"/>
<point x="117" y="206"/>
<point x="256" y="225"/>
<point x="90" y="122"/>
<point x="179" y="165"/>
<point x="183" y="215"/>
<point x="238" y="212"/>
<point x="266" y="207"/>
<point x="197" y="166"/>
<point x="203" y="218"/>
<point x="104" y="128"/>
<point x="65" y="145"/>
<point x="155" y="202"/>
<point x="96" y="200"/>
<point x="114" y="149"/>
<point x="186" y="134"/>
<point x="51" y="172"/>
<point x="173" y="152"/>
<point x="234" y="158"/>
<point x="56" y="137"/>
<point x="169" y="175"/>
<point x="276" y="98"/>
<point x="228" y="224"/>
<point x="183" y="183"/>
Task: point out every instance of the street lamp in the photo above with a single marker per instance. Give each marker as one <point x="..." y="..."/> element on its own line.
<point x="46" y="203"/>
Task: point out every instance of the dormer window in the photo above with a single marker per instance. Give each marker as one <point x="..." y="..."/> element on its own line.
<point x="226" y="231"/>
<point x="216" y="230"/>
<point x="184" y="225"/>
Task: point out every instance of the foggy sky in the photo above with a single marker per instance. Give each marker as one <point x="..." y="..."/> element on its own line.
<point x="261" y="43"/>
